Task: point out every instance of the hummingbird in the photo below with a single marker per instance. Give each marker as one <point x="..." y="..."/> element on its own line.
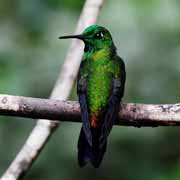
<point x="100" y="88"/>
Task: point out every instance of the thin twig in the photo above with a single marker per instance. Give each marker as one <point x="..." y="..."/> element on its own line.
<point x="131" y="114"/>
<point x="44" y="128"/>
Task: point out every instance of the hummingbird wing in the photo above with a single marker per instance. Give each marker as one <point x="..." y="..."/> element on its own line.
<point x="81" y="91"/>
<point x="114" y="104"/>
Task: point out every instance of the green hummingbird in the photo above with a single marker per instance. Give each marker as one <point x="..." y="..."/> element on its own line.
<point x="100" y="87"/>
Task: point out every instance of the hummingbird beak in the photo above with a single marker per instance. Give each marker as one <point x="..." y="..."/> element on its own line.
<point x="80" y="36"/>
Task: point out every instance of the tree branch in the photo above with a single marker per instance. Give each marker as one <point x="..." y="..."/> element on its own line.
<point x="130" y="114"/>
<point x="44" y="128"/>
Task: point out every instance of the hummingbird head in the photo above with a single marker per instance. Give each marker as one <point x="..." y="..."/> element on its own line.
<point x="95" y="38"/>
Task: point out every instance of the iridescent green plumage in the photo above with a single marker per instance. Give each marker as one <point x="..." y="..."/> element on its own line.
<point x="101" y="73"/>
<point x="100" y="88"/>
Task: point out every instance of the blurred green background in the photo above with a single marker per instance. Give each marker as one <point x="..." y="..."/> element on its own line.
<point x="147" y="35"/>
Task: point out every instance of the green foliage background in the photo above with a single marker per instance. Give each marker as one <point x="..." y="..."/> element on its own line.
<point x="147" y="35"/>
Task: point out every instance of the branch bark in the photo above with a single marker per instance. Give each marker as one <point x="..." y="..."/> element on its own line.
<point x="44" y="128"/>
<point x="131" y="114"/>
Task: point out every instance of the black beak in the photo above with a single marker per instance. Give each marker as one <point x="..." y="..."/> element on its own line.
<point x="72" y="36"/>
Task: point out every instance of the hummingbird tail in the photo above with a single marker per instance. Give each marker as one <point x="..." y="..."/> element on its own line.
<point x="87" y="153"/>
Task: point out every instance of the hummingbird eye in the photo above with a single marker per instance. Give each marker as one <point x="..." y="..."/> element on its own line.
<point x="99" y="35"/>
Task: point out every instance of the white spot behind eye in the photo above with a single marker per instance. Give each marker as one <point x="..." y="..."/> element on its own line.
<point x="101" y="34"/>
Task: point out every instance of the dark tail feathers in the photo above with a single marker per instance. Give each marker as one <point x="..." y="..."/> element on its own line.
<point x="87" y="153"/>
